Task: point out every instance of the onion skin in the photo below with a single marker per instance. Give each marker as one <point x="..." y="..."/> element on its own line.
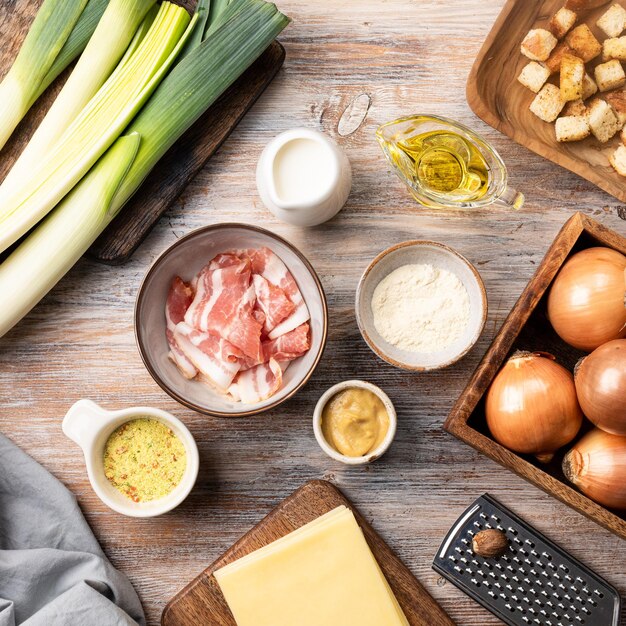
<point x="600" y="380"/>
<point x="586" y="303"/>
<point x="597" y="466"/>
<point x="531" y="405"/>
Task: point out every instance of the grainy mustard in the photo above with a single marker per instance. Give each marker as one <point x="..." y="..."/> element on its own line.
<point x="144" y="459"/>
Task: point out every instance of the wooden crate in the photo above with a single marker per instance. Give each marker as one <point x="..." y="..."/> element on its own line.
<point x="527" y="327"/>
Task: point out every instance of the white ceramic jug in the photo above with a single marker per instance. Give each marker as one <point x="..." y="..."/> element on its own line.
<point x="322" y="182"/>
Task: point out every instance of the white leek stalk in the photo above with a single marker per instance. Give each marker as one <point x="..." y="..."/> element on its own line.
<point x="47" y="35"/>
<point x="106" y="47"/>
<point x="62" y="238"/>
<point x="28" y="199"/>
<point x="183" y="96"/>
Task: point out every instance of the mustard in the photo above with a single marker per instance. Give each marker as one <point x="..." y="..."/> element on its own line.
<point x="355" y="422"/>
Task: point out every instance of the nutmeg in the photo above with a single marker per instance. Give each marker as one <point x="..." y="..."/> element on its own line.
<point x="490" y="543"/>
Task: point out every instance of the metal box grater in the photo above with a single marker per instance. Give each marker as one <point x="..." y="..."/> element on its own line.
<point x="534" y="582"/>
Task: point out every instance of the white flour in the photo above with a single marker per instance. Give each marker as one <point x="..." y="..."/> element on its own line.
<point x="420" y="308"/>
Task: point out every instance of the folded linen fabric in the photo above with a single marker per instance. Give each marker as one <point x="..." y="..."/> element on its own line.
<point x="52" y="569"/>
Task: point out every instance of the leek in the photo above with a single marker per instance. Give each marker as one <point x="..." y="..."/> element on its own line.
<point x="76" y="42"/>
<point x="203" y="9"/>
<point x="47" y="35"/>
<point x="111" y="38"/>
<point x="191" y="87"/>
<point x="25" y="201"/>
<point x="61" y="239"/>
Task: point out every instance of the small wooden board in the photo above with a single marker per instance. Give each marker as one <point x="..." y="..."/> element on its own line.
<point x="496" y="96"/>
<point x="201" y="602"/>
<point x="527" y="328"/>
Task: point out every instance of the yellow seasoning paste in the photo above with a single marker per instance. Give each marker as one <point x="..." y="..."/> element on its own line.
<point x="355" y="421"/>
<point x="144" y="459"/>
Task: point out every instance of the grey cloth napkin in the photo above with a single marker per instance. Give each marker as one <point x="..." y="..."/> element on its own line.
<point x="52" y="570"/>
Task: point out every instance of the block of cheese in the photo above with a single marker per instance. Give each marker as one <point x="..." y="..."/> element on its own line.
<point x="322" y="574"/>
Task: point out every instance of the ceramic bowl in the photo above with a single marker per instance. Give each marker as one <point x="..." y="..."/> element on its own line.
<point x="185" y="258"/>
<point x="90" y="426"/>
<point x="438" y="255"/>
<point x="330" y="451"/>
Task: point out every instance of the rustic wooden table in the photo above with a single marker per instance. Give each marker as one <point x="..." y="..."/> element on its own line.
<point x="393" y="57"/>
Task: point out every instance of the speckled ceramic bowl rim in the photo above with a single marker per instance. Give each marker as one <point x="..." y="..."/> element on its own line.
<point x="385" y="443"/>
<point x="376" y="349"/>
<point x="140" y="340"/>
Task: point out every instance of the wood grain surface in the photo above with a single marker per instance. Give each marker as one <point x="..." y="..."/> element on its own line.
<point x="495" y="94"/>
<point x="350" y="67"/>
<point x="527" y="328"/>
<point x="202" y="602"/>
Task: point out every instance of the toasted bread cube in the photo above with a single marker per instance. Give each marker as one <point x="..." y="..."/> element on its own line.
<point x="554" y="60"/>
<point x="582" y="41"/>
<point x="613" y="22"/>
<point x="622" y="135"/>
<point x="584" y="5"/>
<point x="575" y="108"/>
<point x="618" y="160"/>
<point x="589" y="87"/>
<point x="602" y="120"/>
<point x="538" y="44"/>
<point x="572" y="128"/>
<point x="534" y="75"/>
<point x="617" y="101"/>
<point x="610" y="75"/>
<point x="561" y="22"/>
<point x="547" y="103"/>
<point x="572" y="77"/>
<point x="614" y="48"/>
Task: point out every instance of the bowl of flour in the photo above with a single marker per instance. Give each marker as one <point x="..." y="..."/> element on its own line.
<point x="421" y="305"/>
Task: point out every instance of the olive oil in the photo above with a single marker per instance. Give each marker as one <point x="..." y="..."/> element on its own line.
<point x="445" y="164"/>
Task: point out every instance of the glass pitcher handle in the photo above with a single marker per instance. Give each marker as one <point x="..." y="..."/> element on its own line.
<point x="512" y="198"/>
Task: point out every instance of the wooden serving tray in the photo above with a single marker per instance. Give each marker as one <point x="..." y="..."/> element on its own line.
<point x="527" y="328"/>
<point x="496" y="96"/>
<point x="201" y="601"/>
<point x="177" y="167"/>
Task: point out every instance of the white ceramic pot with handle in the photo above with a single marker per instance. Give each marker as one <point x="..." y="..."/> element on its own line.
<point x="90" y="426"/>
<point x="303" y="177"/>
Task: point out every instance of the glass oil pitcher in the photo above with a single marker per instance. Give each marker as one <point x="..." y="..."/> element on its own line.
<point x="445" y="164"/>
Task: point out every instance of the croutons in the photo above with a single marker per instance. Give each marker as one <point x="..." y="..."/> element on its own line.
<point x="614" y="49"/>
<point x="571" y="128"/>
<point x="613" y="21"/>
<point x="609" y="75"/>
<point x="575" y="108"/>
<point x="602" y="120"/>
<point x="534" y="75"/>
<point x="582" y="41"/>
<point x="538" y="44"/>
<point x="572" y="76"/>
<point x="622" y="135"/>
<point x="554" y="60"/>
<point x="589" y="87"/>
<point x="618" y="160"/>
<point x="547" y="103"/>
<point x="617" y="100"/>
<point x="561" y="22"/>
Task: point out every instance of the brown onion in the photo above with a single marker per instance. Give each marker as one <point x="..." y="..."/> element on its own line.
<point x="597" y="466"/>
<point x="531" y="406"/>
<point x="600" y="380"/>
<point x="586" y="303"/>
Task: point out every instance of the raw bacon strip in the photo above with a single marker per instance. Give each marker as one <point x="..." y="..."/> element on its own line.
<point x="270" y="266"/>
<point x="272" y="301"/>
<point x="214" y="357"/>
<point x="223" y="305"/>
<point x="289" y="346"/>
<point x="257" y="384"/>
<point x="179" y="298"/>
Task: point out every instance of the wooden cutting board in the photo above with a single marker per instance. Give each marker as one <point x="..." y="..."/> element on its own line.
<point x="175" y="170"/>
<point x="201" y="601"/>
